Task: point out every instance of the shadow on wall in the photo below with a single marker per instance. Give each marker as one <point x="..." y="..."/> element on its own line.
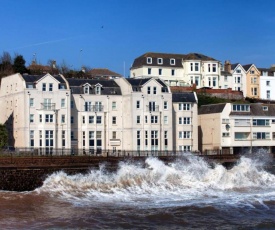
<point x="9" y="126"/>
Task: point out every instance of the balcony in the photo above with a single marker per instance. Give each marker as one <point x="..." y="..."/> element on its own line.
<point x="93" y="108"/>
<point x="152" y="108"/>
<point x="48" y="106"/>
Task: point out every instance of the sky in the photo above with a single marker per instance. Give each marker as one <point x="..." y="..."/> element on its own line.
<point x="112" y="33"/>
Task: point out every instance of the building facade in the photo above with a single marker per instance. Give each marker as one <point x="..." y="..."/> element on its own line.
<point x="49" y="113"/>
<point x="236" y="128"/>
<point x="178" y="69"/>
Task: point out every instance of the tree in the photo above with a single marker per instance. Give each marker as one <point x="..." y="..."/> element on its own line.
<point x="3" y="136"/>
<point x="6" y="64"/>
<point x="19" y="64"/>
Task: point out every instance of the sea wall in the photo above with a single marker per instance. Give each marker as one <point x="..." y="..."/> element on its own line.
<point x="28" y="173"/>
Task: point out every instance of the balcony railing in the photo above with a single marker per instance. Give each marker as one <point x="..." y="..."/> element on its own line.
<point x="151" y="108"/>
<point x="48" y="106"/>
<point x="93" y="108"/>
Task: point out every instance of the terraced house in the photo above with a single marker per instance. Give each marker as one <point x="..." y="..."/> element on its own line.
<point x="50" y="114"/>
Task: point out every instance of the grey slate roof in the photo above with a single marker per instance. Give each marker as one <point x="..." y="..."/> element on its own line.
<point x="139" y="82"/>
<point x="34" y="78"/>
<point x="208" y="109"/>
<point x="142" y="60"/>
<point x="233" y="66"/>
<point x="109" y="87"/>
<point x="183" y="97"/>
<point x="256" y="109"/>
<point x="246" y="67"/>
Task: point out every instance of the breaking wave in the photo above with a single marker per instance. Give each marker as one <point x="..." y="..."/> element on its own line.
<point x="187" y="180"/>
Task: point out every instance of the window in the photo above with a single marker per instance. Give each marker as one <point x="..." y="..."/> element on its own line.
<point x="72" y="104"/>
<point x="214" y="68"/>
<point x="149" y="60"/>
<point x="160" y="71"/>
<point x="51" y="87"/>
<point x="267" y="83"/>
<point x="148" y="90"/>
<point x="152" y="106"/>
<point x="252" y="71"/>
<point x="166" y="140"/>
<point x="209" y="68"/>
<point x="149" y="71"/>
<point x="214" y="81"/>
<point x="146" y="139"/>
<point x="165" y="120"/>
<point x="261" y="122"/>
<point x="172" y="72"/>
<point x="238" y="71"/>
<point x="254" y="80"/>
<point x="114" y="120"/>
<point x="225" y="121"/>
<point x="91" y="119"/>
<point x="184" y="134"/>
<point x="113" y="105"/>
<point x="146" y="119"/>
<point x="138" y="140"/>
<point x="40" y="118"/>
<point x="31" y="118"/>
<point x="209" y="81"/>
<point x="184" y="148"/>
<point x="91" y="139"/>
<point x="180" y="120"/>
<point x="83" y="119"/>
<point x="44" y="87"/>
<point x="241" y="136"/>
<point x="138" y="119"/>
<point x="63" y="138"/>
<point x="155" y="90"/>
<point x="31" y="102"/>
<point x="97" y="90"/>
<point x="184" y="106"/>
<point x="225" y="135"/>
<point x="160" y="61"/>
<point x="268" y="94"/>
<point x="254" y="91"/>
<point x="62" y="102"/>
<point x="86" y="89"/>
<point x="172" y="61"/>
<point x="62" y="118"/>
<point x="49" y="118"/>
<point x="114" y="135"/>
<point x="98" y="119"/>
<point x="72" y="135"/>
<point x="165" y="105"/>
<point x="241" y="108"/>
<point x="265" y="108"/>
<point x="186" y="120"/>
<point x="154" y="119"/>
<point x="83" y="139"/>
<point x="138" y="104"/>
<point x="31" y="138"/>
<point x="154" y="140"/>
<point x="72" y="119"/>
<point x="191" y="66"/>
<point x="261" y="135"/>
<point x="242" y="122"/>
<point x="197" y="67"/>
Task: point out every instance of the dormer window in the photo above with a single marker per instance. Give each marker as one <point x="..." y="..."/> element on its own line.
<point x="160" y="61"/>
<point x="149" y="60"/>
<point x="86" y="89"/>
<point x="172" y="61"/>
<point x="98" y="90"/>
<point x="265" y="108"/>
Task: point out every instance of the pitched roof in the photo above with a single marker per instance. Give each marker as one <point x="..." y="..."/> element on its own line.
<point x="99" y="72"/>
<point x="233" y="66"/>
<point x="108" y="86"/>
<point x="270" y="72"/>
<point x="183" y="97"/>
<point x="209" y="109"/>
<point x="256" y="109"/>
<point x="246" y="67"/>
<point x="34" y="78"/>
<point x="142" y="60"/>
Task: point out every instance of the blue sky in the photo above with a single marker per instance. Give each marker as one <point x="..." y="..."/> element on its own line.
<point x="112" y="33"/>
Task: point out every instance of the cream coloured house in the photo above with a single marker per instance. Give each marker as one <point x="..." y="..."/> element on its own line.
<point x="236" y="128"/>
<point x="49" y="113"/>
<point x="178" y="69"/>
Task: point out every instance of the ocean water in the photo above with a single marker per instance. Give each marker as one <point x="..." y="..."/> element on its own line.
<point x="185" y="194"/>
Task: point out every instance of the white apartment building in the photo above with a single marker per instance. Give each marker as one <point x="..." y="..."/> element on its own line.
<point x="236" y="128"/>
<point x="49" y="113"/>
<point x="36" y="111"/>
<point x="267" y="84"/>
<point x="178" y="69"/>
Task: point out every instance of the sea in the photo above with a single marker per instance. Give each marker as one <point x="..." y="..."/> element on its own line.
<point x="188" y="193"/>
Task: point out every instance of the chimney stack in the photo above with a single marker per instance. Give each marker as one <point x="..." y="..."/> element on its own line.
<point x="227" y="66"/>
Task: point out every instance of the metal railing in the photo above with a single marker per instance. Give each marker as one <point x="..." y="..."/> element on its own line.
<point x="93" y="108"/>
<point x="152" y="108"/>
<point x="48" y="106"/>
